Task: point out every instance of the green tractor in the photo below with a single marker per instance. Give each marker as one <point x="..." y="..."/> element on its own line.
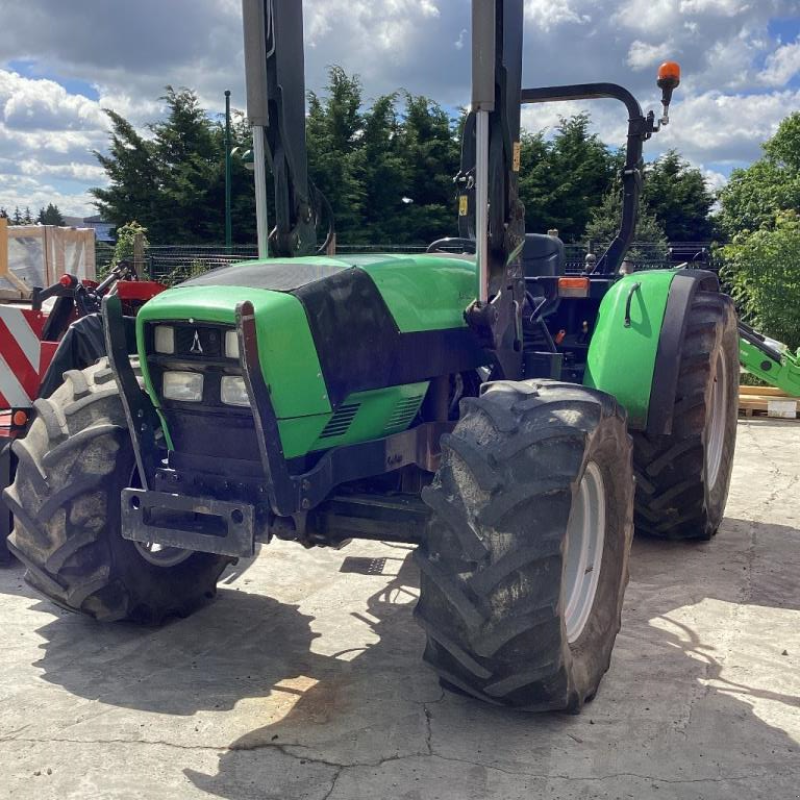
<point x="476" y="401"/>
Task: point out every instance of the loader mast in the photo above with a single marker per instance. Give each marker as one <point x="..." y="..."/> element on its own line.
<point x="276" y="108"/>
<point x="490" y="211"/>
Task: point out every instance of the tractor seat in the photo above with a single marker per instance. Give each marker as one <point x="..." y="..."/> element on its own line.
<point x="543" y="255"/>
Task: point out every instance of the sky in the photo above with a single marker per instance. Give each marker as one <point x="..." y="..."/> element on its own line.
<point x="61" y="64"/>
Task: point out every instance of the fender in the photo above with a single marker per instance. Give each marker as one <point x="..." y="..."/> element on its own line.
<point x="83" y="344"/>
<point x="634" y="354"/>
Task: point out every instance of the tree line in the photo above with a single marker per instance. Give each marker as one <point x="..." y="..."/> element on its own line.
<point x="387" y="169"/>
<point x="51" y="215"/>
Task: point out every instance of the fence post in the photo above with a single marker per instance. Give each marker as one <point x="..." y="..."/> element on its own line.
<point x="138" y="255"/>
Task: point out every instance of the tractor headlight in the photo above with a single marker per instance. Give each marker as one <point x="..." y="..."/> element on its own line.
<point x="184" y="386"/>
<point x="164" y="339"/>
<point x="232" y="345"/>
<point x="234" y="391"/>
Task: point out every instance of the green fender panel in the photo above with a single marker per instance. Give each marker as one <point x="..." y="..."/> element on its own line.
<point x="622" y="359"/>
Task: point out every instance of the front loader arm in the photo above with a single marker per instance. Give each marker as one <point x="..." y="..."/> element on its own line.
<point x="276" y="101"/>
<point x="771" y="361"/>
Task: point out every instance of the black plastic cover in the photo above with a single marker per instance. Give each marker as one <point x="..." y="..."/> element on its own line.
<point x="83" y="345"/>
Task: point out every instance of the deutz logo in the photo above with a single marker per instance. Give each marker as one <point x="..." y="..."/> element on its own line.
<point x="196" y="346"/>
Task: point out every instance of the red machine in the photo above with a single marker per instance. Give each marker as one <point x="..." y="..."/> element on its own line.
<point x="38" y="346"/>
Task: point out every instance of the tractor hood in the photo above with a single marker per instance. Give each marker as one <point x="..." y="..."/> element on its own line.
<point x="329" y="328"/>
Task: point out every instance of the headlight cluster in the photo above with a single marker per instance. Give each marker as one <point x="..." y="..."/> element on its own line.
<point x="187" y="387"/>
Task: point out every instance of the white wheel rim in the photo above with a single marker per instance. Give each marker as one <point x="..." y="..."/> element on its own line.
<point x="586" y="535"/>
<point x="160" y="556"/>
<point x="718" y="422"/>
<point x="156" y="554"/>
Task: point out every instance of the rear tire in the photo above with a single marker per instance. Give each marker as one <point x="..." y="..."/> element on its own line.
<point x="73" y="465"/>
<point x="496" y="590"/>
<point x="682" y="480"/>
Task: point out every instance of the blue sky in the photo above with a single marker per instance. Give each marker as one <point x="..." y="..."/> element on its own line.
<point x="61" y="64"/>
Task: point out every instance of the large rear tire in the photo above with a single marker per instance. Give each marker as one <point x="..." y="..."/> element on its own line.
<point x="73" y="465"/>
<point x="525" y="559"/>
<point x="682" y="480"/>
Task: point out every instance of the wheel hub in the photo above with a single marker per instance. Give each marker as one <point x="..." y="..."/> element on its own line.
<point x="585" y="540"/>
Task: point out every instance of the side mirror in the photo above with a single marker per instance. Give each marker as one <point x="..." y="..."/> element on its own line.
<point x="669" y="79"/>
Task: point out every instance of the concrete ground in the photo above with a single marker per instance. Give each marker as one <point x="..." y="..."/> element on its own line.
<point x="303" y="680"/>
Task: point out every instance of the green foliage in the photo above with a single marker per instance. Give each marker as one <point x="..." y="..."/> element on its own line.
<point x="607" y="220"/>
<point x="563" y="180"/>
<point x="755" y="197"/>
<point x="50" y="215"/>
<point x="126" y="239"/>
<point x="174" y="182"/>
<point x="762" y="270"/>
<point x="387" y="169"/>
<point x="677" y="195"/>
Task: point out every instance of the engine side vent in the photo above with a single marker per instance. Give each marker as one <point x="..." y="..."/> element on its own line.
<point x="404" y="412"/>
<point x="340" y="422"/>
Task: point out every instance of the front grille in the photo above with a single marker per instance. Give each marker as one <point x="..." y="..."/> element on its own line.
<point x="199" y="340"/>
<point x="209" y="429"/>
<point x="213" y="433"/>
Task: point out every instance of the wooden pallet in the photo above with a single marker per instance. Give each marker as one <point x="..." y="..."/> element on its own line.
<point x="754" y="401"/>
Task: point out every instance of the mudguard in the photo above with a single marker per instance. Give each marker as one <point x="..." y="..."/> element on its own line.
<point x="82" y="345"/>
<point x="635" y="350"/>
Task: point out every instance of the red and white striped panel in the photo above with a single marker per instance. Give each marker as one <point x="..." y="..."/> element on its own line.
<point x="21" y="359"/>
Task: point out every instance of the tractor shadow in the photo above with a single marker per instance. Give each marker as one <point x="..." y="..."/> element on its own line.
<point x="671" y="691"/>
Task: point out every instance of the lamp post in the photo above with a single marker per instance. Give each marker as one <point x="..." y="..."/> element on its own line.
<point x="228" y="172"/>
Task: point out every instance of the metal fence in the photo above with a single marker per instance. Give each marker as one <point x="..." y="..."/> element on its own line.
<point x="173" y="264"/>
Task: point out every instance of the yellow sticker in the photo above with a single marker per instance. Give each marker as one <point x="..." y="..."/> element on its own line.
<point x="517" y="156"/>
<point x="463" y="206"/>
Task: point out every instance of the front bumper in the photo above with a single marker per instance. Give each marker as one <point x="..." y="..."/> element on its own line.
<point x="189" y="523"/>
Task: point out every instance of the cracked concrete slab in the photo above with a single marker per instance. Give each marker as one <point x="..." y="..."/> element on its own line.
<point x="304" y="680"/>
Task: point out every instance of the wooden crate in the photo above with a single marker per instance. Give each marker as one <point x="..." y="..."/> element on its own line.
<point x="765" y="401"/>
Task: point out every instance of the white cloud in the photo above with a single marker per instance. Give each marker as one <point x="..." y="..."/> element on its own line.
<point x="726" y="8"/>
<point x="22" y="192"/>
<point x="130" y="51"/>
<point x="548" y="14"/>
<point x="715" y="181"/>
<point x="34" y="105"/>
<point x="727" y="128"/>
<point x="782" y="65"/>
<point x="641" y="54"/>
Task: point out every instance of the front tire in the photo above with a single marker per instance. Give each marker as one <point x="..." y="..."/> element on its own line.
<point x="521" y="598"/>
<point x="73" y="465"/>
<point x="682" y="480"/>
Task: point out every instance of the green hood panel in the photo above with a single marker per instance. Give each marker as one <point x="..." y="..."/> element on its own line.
<point x="424" y="293"/>
<point x="420" y="294"/>
<point x="288" y="357"/>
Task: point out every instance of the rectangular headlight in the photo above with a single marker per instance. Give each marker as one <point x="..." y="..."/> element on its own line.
<point x="184" y="386"/>
<point x="164" y="339"/>
<point x="234" y="391"/>
<point x="232" y="345"/>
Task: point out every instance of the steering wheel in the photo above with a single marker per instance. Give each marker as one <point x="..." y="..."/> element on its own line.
<point x="449" y="244"/>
